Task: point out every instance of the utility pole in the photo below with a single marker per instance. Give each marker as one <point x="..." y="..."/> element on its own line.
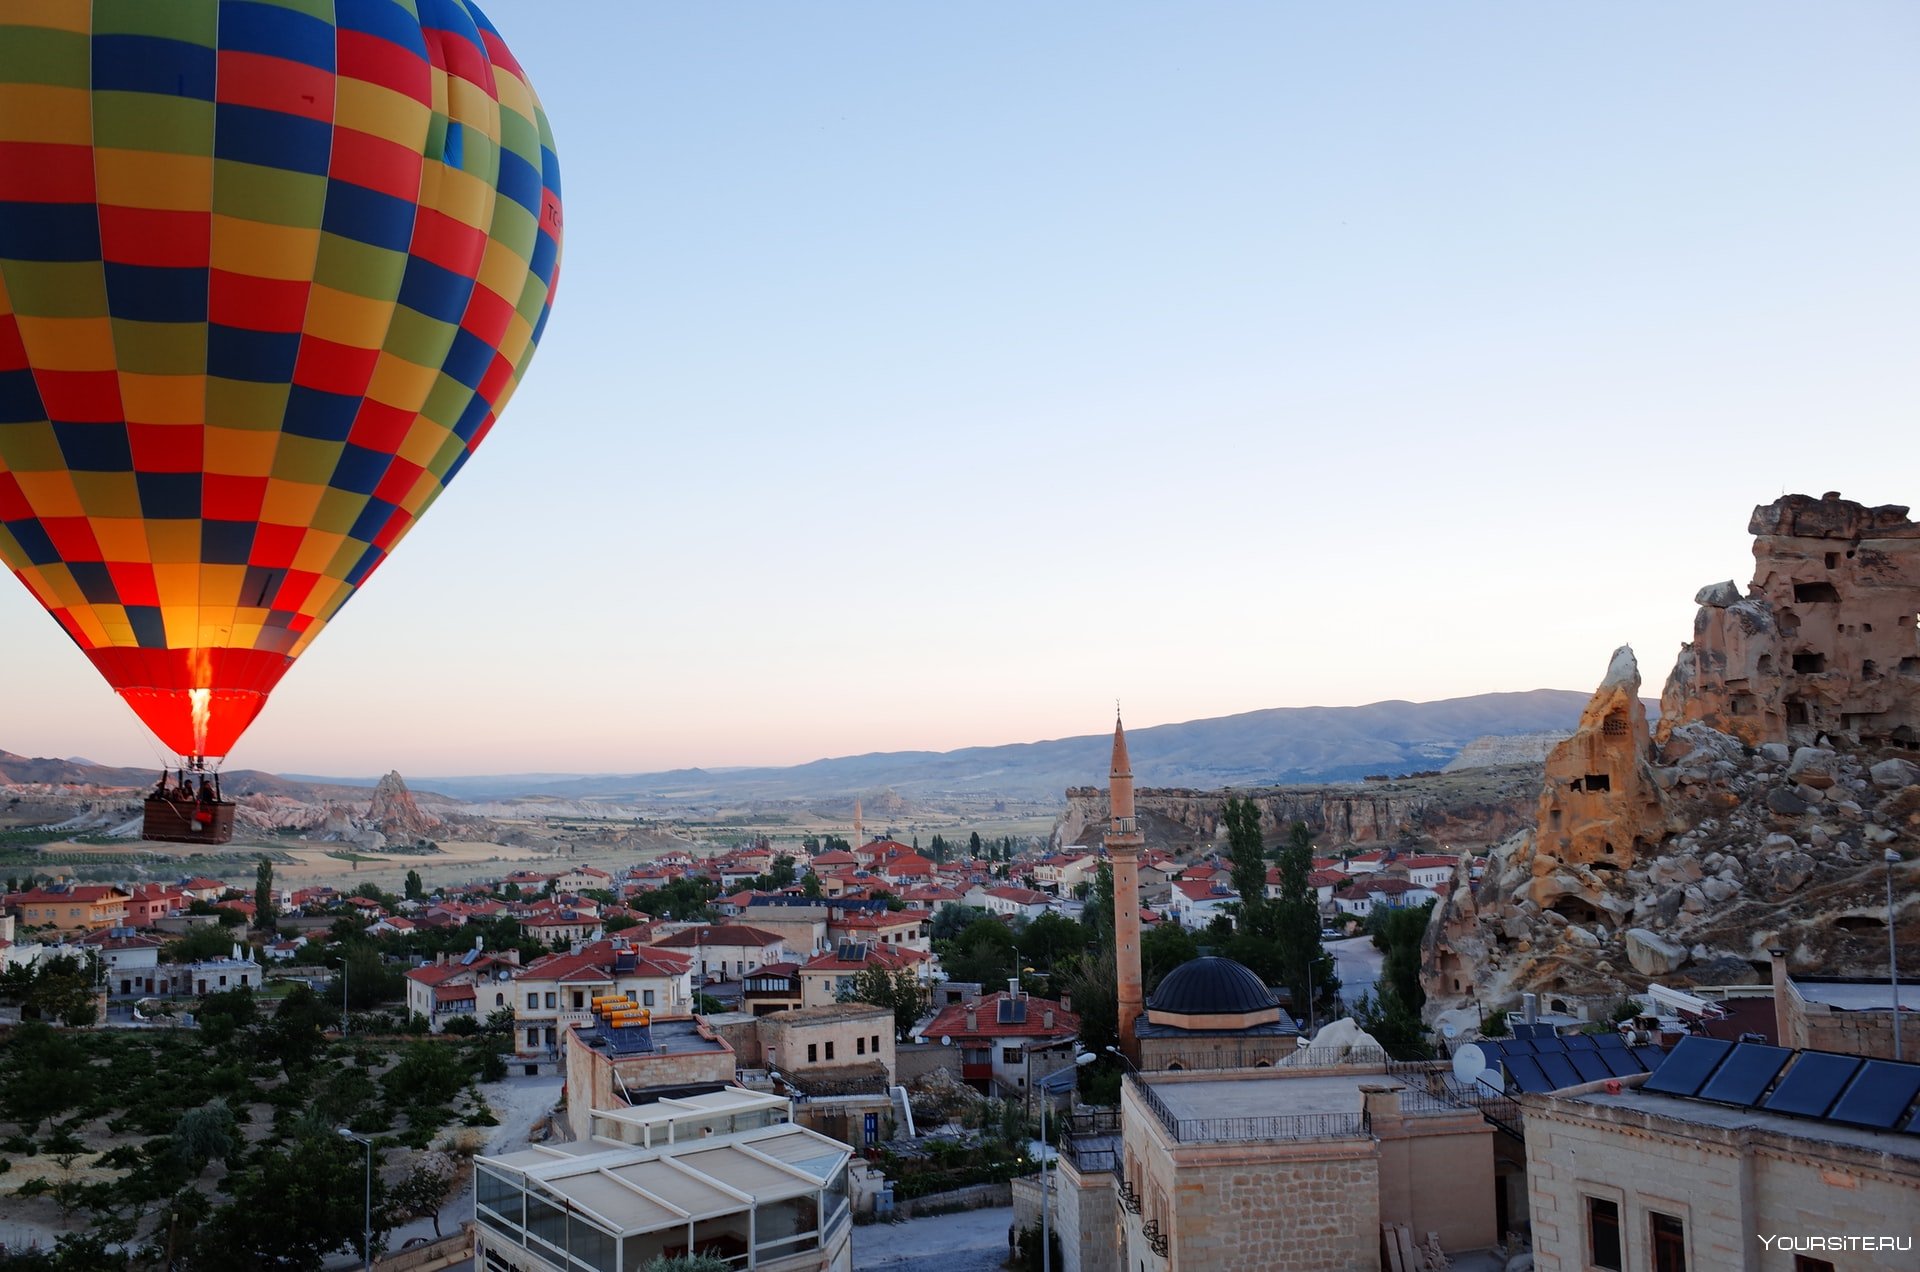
<point x="1893" y="954"/>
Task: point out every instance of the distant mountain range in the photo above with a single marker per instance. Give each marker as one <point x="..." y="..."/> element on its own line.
<point x="1278" y="746"/>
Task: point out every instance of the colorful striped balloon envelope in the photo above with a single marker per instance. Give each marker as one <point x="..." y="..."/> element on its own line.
<point x="269" y="271"/>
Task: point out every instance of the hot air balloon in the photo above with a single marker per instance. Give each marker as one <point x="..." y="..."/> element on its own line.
<point x="269" y="272"/>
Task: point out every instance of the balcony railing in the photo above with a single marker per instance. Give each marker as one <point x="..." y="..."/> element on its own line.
<point x="1298" y="1126"/>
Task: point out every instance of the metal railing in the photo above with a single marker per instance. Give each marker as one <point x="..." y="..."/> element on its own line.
<point x="1296" y="1126"/>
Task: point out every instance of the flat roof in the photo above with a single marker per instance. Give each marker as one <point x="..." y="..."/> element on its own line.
<point x="672" y="1036"/>
<point x="630" y="1190"/>
<point x="1728" y="1117"/>
<point x="678" y="1108"/>
<point x="1262" y="1093"/>
<point x="1857" y="995"/>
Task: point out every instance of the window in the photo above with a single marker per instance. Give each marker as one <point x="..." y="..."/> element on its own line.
<point x="1801" y="1263"/>
<point x="1603" y="1233"/>
<point x="813" y="1053"/>
<point x="552" y="1001"/>
<point x="646" y="998"/>
<point x="499" y="1000"/>
<point x="1669" y="1242"/>
<point x="533" y="1037"/>
<point x="876" y="1044"/>
<point x="1010" y="1055"/>
<point x="859" y="1046"/>
<point x="829" y="1050"/>
<point x="533" y="1000"/>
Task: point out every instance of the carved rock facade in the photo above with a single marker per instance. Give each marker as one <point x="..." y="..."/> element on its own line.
<point x="1758" y="812"/>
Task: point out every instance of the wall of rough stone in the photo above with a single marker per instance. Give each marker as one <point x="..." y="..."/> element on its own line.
<point x="1727" y="1186"/>
<point x="1083" y="1215"/>
<point x="1857" y="1033"/>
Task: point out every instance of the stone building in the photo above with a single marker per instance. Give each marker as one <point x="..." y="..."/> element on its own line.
<point x="606" y="1071"/>
<point x="1850" y="1014"/>
<point x="1289" y="1170"/>
<point x="1642" y="1181"/>
<point x="1213" y="1013"/>
<point x="1825" y="639"/>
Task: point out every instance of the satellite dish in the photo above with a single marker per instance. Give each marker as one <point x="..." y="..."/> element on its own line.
<point x="1449" y="1030"/>
<point x="1469" y="1062"/>
<point x="945" y="1040"/>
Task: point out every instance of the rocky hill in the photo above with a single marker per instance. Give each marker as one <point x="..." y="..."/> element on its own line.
<point x="1462" y="810"/>
<point x="1759" y="814"/>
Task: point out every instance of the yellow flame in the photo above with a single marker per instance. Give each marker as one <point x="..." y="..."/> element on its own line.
<point x="202" y="700"/>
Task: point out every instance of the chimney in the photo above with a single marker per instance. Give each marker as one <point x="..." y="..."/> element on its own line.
<point x="1046" y="1021"/>
<point x="1780" y="993"/>
<point x="973" y="1019"/>
<point x="1066" y="1001"/>
<point x="1013" y="986"/>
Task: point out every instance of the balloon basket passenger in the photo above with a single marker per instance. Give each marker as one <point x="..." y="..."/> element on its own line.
<point x="181" y="811"/>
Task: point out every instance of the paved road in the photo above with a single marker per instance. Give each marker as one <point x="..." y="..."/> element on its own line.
<point x="518" y="1102"/>
<point x="971" y="1241"/>
<point x="1357" y="963"/>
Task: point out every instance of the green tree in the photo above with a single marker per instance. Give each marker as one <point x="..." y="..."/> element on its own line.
<point x="1164" y="947"/>
<point x="1095" y="988"/>
<point x="291" y="1207"/>
<point x="62" y="989"/>
<point x="428" y="1073"/>
<point x="810" y="886"/>
<point x="1295" y="922"/>
<point x="415" y="890"/>
<point x="197" y="943"/>
<point x="265" y="912"/>
<point x="950" y="920"/>
<point x="201" y="1135"/>
<point x="983" y="952"/>
<point x="48" y="1075"/>
<point x="1247" y="858"/>
<point x="1051" y="937"/>
<point x="973" y="844"/>
<point x="783" y="873"/>
<point x="425" y="1189"/>
<point x="896" y="989"/>
<point x="1098" y="915"/>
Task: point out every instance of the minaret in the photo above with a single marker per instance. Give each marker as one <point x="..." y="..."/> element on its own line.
<point x="1124" y="842"/>
<point x="859" y="837"/>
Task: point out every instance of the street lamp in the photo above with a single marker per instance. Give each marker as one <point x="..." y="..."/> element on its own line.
<point x="366" y="1234"/>
<point x="1893" y="953"/>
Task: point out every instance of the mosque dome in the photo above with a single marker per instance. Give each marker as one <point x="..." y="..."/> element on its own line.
<point x="1211" y="987"/>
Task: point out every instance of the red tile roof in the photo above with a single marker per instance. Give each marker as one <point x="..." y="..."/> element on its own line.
<point x="722" y="934"/>
<point x="951" y="1022"/>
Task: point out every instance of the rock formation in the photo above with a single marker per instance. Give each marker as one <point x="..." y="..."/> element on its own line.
<point x="1756" y="815"/>
<point x="394" y="814"/>
<point x="1467" y="809"/>
<point x="1824" y="642"/>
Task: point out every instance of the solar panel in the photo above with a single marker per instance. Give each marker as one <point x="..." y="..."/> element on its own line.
<point x="1591" y="1066"/>
<point x="1533" y="1033"/>
<point x="1620" y="1062"/>
<point x="1524" y="1073"/>
<point x="1813" y="1084"/>
<point x="1551" y="1044"/>
<point x="1559" y="1070"/>
<point x="1745" y="1073"/>
<point x="1520" y="1047"/>
<point x="1013" y="1011"/>
<point x="1579" y="1042"/>
<point x="1878" y="1095"/>
<point x="1610" y="1042"/>
<point x="1650" y="1056"/>
<point x="1688" y="1065"/>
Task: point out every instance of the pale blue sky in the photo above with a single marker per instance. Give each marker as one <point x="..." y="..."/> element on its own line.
<point x="929" y="375"/>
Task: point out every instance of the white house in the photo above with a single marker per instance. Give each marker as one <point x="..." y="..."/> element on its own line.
<point x="1006" y="899"/>
<point x="727" y="951"/>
